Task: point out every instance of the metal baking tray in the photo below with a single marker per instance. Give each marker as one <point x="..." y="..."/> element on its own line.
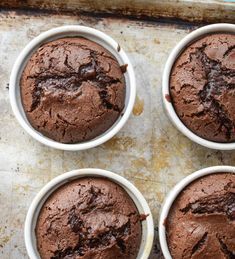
<point x="154" y="155"/>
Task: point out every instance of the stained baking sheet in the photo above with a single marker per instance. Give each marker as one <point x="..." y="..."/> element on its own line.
<point x="191" y="10"/>
<point x="148" y="151"/>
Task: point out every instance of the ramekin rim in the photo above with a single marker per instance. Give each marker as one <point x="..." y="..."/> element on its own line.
<point x="173" y="194"/>
<point x="53" y="184"/>
<point x="188" y="39"/>
<point x="28" y="49"/>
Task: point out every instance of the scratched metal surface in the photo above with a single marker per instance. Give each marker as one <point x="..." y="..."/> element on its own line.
<point x="148" y="151"/>
<point x="190" y="10"/>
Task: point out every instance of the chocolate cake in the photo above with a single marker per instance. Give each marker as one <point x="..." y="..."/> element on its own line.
<point x="72" y="90"/>
<point x="89" y="218"/>
<point x="201" y="221"/>
<point x="202" y="87"/>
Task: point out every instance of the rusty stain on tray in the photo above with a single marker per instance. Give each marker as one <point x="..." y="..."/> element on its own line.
<point x="139" y="106"/>
<point x="148" y="151"/>
<point x="161" y="159"/>
<point x="119" y="143"/>
<point x="4" y="240"/>
<point x="140" y="162"/>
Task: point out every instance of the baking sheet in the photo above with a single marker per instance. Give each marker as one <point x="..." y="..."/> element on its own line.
<point x="148" y="151"/>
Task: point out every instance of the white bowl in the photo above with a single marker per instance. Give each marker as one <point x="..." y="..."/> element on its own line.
<point x="173" y="195"/>
<point x="186" y="41"/>
<point x="60" y="32"/>
<point x="137" y="197"/>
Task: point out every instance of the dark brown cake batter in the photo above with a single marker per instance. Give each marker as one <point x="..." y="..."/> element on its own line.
<point x="72" y="90"/>
<point x="202" y="87"/>
<point x="89" y="218"/>
<point x="201" y="221"/>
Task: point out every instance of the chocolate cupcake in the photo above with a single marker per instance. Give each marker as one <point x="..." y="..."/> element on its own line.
<point x="72" y="90"/>
<point x="201" y="221"/>
<point x="89" y="218"/>
<point x="202" y="87"/>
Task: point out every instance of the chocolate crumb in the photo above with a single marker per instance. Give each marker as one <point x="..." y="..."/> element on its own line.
<point x="168" y="98"/>
<point x="165" y="222"/>
<point x="124" y="68"/>
<point x="143" y="217"/>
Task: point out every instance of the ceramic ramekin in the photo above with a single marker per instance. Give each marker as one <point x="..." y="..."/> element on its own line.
<point x="186" y="41"/>
<point x="137" y="197"/>
<point x="72" y="31"/>
<point x="173" y="195"/>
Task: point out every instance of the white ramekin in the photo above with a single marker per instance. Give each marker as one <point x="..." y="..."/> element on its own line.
<point x="172" y="195"/>
<point x="44" y="193"/>
<point x="191" y="37"/>
<point x="70" y="31"/>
